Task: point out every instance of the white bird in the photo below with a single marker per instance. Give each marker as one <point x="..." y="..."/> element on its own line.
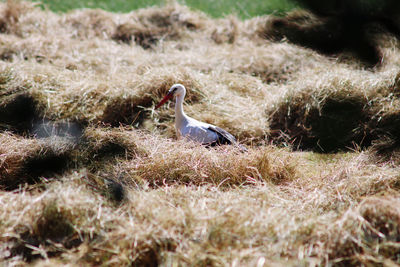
<point x="193" y="129"/>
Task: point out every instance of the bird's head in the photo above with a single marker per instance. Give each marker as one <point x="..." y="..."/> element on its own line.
<point x="176" y="90"/>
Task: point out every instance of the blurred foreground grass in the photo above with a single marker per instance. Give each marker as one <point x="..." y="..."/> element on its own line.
<point x="243" y="9"/>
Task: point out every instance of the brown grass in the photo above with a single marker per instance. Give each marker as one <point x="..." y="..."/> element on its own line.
<point x="176" y="163"/>
<point x="26" y="160"/>
<point x="91" y="174"/>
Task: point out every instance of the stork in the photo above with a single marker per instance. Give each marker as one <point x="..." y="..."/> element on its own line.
<point x="192" y="129"/>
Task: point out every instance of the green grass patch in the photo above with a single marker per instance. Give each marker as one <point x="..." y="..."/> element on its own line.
<point x="243" y="9"/>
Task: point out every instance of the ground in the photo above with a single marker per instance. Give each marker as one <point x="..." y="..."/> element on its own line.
<point x="91" y="174"/>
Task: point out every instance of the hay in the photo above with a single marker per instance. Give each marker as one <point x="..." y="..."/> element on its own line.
<point x="325" y="125"/>
<point x="339" y="113"/>
<point x="151" y="26"/>
<point x="91" y="174"/>
<point x="369" y="229"/>
<point x="27" y="160"/>
<point x="344" y="28"/>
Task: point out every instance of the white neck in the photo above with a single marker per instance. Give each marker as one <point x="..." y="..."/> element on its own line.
<point x="179" y="114"/>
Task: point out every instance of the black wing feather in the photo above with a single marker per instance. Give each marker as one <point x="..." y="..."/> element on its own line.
<point x="224" y="138"/>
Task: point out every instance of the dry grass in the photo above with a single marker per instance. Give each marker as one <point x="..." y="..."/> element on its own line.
<point x="91" y="174"/>
<point x="27" y="160"/>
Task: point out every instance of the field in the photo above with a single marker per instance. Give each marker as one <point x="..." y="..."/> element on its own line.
<point x="91" y="174"/>
<point x="243" y="9"/>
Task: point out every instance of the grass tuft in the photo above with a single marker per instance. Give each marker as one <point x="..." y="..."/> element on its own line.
<point x="50" y="235"/>
<point x="179" y="163"/>
<point x="322" y="123"/>
<point x="127" y="111"/>
<point x="367" y="234"/>
<point x="26" y="161"/>
<point x="154" y="25"/>
<point x="11" y="14"/>
<point x="53" y="224"/>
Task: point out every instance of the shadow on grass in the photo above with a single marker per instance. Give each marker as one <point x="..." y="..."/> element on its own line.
<point x="337" y="27"/>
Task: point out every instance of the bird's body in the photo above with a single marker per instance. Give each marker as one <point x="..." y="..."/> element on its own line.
<point x="193" y="129"/>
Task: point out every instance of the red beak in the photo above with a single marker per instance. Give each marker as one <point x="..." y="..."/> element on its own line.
<point x="165" y="99"/>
